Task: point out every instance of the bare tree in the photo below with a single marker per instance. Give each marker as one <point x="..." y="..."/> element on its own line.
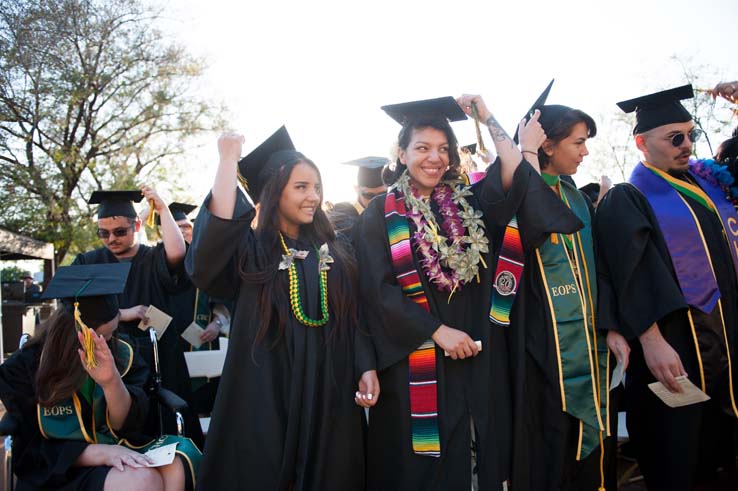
<point x="91" y="96"/>
<point x="614" y="152"/>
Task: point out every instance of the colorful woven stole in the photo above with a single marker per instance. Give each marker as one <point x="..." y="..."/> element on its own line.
<point x="422" y="361"/>
<point x="509" y="269"/>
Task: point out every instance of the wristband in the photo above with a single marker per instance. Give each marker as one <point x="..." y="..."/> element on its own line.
<point x="530" y="151"/>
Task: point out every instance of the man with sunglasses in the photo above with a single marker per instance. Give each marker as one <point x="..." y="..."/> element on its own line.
<point x="157" y="273"/>
<point x="667" y="244"/>
<point x="369" y="184"/>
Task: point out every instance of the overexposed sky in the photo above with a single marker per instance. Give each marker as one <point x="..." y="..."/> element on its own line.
<point x="324" y="68"/>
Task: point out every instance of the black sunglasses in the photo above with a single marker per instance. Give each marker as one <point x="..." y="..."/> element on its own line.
<point x="693" y="136"/>
<point x="118" y="232"/>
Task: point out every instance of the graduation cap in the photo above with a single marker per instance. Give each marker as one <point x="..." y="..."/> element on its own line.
<point x="592" y="190"/>
<point x="442" y="107"/>
<point x="472" y="149"/>
<point x="370" y="170"/>
<point x="115" y="203"/>
<point x="658" y="109"/>
<point x="91" y="292"/>
<point x="255" y="169"/>
<point x="536" y="105"/>
<point x="179" y="211"/>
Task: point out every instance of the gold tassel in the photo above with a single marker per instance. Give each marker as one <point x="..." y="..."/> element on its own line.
<point x="88" y="344"/>
<point x="480" y="142"/>
<point x="150" y="222"/>
<point x="242" y="180"/>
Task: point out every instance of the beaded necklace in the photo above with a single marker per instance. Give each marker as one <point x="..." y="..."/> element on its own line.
<point x="295" y="299"/>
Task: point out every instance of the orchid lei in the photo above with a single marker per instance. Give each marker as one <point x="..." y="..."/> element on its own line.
<point x="450" y="258"/>
<point x="718" y="175"/>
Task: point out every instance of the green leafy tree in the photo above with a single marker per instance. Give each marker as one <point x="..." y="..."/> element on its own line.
<point x="92" y="96"/>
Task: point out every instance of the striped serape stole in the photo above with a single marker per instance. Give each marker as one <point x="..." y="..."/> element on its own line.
<point x="422" y="361"/>
<point x="507" y="275"/>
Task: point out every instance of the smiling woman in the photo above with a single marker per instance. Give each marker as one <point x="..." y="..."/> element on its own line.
<point x="284" y="417"/>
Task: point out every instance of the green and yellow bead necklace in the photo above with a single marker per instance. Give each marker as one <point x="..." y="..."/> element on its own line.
<point x="295" y="299"/>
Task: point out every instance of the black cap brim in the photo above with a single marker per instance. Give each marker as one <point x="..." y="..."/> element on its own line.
<point x="536" y="105"/>
<point x="441" y="107"/>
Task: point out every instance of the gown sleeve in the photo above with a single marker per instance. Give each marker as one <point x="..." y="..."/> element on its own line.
<point x="397" y="325"/>
<point x="500" y="206"/>
<point x="212" y="260"/>
<point x="135" y="381"/>
<point x="634" y="276"/>
<point x="172" y="279"/>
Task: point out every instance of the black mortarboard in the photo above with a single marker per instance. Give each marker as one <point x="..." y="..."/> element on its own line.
<point x="179" y="211"/>
<point x="658" y="109"/>
<point x="115" y="203"/>
<point x="443" y="107"/>
<point x="472" y="149"/>
<point x="370" y="170"/>
<point x="95" y="286"/>
<point x="592" y="190"/>
<point x="536" y="105"/>
<point x="264" y="161"/>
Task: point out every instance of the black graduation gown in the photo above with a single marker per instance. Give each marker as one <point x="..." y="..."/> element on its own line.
<point x="152" y="282"/>
<point x="49" y="464"/>
<point x="638" y="286"/>
<point x="546" y="438"/>
<point x="284" y="417"/>
<point x="479" y="387"/>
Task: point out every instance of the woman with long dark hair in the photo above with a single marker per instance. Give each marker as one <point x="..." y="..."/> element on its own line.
<point x="287" y="414"/>
<point x="427" y="256"/>
<point x="77" y="392"/>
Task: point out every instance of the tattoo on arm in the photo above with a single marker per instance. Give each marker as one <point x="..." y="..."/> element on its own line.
<point x="495" y="130"/>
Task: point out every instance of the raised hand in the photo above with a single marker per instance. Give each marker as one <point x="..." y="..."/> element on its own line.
<point x="105" y="372"/>
<point x="531" y="133"/>
<point x="229" y="147"/>
<point x="150" y="195"/>
<point x="466" y="101"/>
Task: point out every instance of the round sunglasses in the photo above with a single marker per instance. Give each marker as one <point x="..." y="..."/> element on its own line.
<point x="678" y="139"/>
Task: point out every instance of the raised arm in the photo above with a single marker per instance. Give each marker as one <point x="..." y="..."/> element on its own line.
<point x="223" y="200"/>
<point x="171" y="236"/>
<point x="510" y="156"/>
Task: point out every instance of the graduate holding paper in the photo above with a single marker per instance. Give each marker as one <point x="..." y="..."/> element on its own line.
<point x="427" y="256"/>
<point x="77" y="390"/>
<point x="667" y="263"/>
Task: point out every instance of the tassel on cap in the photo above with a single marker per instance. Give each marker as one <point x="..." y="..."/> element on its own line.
<point x="88" y="344"/>
<point x="480" y="142"/>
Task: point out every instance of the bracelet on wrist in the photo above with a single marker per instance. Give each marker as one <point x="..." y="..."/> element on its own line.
<point x="530" y="151"/>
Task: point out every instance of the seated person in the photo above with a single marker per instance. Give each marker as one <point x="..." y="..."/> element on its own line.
<point x="80" y="410"/>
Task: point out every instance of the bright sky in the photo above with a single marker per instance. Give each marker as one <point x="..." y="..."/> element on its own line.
<point x="324" y="68"/>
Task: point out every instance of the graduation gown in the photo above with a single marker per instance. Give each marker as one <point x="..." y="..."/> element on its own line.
<point x="479" y="388"/>
<point x="41" y="463"/>
<point x="284" y="417"/>
<point x="152" y="282"/>
<point x="546" y="437"/>
<point x="638" y="286"/>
